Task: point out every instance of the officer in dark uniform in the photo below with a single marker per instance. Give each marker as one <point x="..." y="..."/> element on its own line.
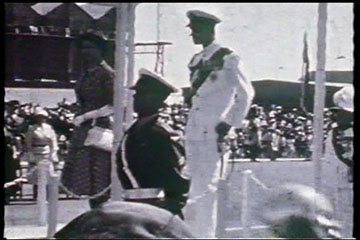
<point x="150" y="158"/>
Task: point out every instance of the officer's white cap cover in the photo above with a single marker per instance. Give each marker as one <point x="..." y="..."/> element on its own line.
<point x="158" y="80"/>
<point x="344" y="98"/>
<point x="197" y="15"/>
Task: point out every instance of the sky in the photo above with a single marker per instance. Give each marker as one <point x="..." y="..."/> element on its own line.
<point x="268" y="37"/>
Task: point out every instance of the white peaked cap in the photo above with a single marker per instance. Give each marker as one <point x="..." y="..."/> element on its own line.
<point x="157" y="77"/>
<point x="344" y="98"/>
<point x="202" y="15"/>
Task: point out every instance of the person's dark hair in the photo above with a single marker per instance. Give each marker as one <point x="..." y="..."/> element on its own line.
<point x="98" y="41"/>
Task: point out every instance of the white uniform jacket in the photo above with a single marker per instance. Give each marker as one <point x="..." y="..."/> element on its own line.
<point x="226" y="95"/>
<point x="41" y="140"/>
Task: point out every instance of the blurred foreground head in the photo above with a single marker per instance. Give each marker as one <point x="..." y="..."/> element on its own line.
<point x="290" y="212"/>
<point x="124" y="220"/>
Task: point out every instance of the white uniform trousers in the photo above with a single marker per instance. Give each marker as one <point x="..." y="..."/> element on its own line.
<point x="203" y="161"/>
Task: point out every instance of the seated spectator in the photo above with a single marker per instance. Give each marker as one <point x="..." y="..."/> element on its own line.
<point x="290" y="146"/>
<point x="266" y="142"/>
<point x="301" y="147"/>
<point x="272" y="123"/>
<point x="272" y="111"/>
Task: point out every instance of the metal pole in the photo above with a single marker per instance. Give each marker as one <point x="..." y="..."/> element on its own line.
<point x="120" y="62"/>
<point x="221" y="208"/>
<point x="244" y="202"/>
<point x="53" y="204"/>
<point x="130" y="66"/>
<point x="157" y="22"/>
<point x="43" y="168"/>
<point x="305" y="72"/>
<point x="319" y="103"/>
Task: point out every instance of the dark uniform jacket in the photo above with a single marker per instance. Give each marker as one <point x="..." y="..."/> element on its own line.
<point x="155" y="158"/>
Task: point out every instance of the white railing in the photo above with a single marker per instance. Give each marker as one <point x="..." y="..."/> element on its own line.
<point x="245" y="228"/>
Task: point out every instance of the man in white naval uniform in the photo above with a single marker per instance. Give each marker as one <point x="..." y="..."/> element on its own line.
<point x="220" y="97"/>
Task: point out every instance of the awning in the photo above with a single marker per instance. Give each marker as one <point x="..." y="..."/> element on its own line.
<point x="76" y="15"/>
<point x="288" y="93"/>
<point x="93" y="10"/>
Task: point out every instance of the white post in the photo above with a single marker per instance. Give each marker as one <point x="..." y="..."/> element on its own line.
<point x="221" y="208"/>
<point x="43" y="169"/>
<point x="244" y="202"/>
<point x="53" y="204"/>
<point x="130" y="66"/>
<point x="120" y="62"/>
<point x="319" y="103"/>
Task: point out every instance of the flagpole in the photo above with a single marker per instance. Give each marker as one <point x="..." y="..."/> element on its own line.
<point x="319" y="103"/>
<point x="120" y="78"/>
<point x="130" y="67"/>
<point x="305" y="72"/>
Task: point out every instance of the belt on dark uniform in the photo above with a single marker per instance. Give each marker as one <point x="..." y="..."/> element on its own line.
<point x="143" y="193"/>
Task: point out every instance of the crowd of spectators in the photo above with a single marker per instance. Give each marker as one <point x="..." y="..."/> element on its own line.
<point x="270" y="133"/>
<point x="267" y="133"/>
<point x="273" y="133"/>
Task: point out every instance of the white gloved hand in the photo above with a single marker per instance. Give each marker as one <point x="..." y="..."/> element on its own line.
<point x="54" y="157"/>
<point x="78" y="120"/>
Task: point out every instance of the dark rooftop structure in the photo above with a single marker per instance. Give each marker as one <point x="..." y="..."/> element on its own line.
<point x="336" y="76"/>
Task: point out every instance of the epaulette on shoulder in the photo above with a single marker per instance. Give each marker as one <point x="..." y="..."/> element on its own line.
<point x="221" y="53"/>
<point x="226" y="50"/>
<point x="174" y="134"/>
<point x="162" y="123"/>
<point x="163" y="115"/>
<point x="144" y="121"/>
